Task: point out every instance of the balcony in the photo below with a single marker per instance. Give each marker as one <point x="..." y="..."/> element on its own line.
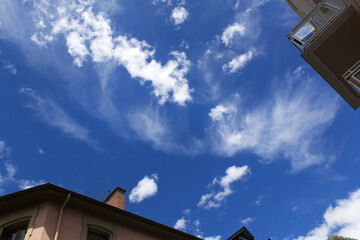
<point x="329" y="40"/>
<point x="315" y="23"/>
<point x="352" y="76"/>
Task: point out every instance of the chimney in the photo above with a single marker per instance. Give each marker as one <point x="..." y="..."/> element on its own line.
<point x="117" y="198"/>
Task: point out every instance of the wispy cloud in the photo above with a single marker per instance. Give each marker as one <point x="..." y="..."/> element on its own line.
<point x="215" y="199"/>
<point x="294" y="209"/>
<point x="240" y="40"/>
<point x="55" y="116"/>
<point x="9" y="176"/>
<point x="258" y="202"/>
<point x="289" y="124"/>
<point x="146" y="188"/>
<point x="151" y="126"/>
<point x="239" y="62"/>
<point x="25" y="184"/>
<point x="247" y="221"/>
<point x="217" y="113"/>
<point x="4" y="150"/>
<point x="232" y="31"/>
<point x="10" y="67"/>
<point x="187" y="212"/>
<point x="181" y="224"/>
<point x="342" y="220"/>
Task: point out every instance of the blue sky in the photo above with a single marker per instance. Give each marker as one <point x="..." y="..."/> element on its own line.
<point x="202" y="110"/>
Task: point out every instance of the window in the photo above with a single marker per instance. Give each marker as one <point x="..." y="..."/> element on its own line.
<point x="15" y="232"/>
<point x="18" y="226"/>
<point x="96" y="236"/>
<point x="314" y="23"/>
<point x="96" y="229"/>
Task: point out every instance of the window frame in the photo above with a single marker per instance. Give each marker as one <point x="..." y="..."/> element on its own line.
<point x="27" y="215"/>
<point x="97" y="226"/>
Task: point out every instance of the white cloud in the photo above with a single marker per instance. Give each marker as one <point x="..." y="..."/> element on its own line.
<point x="218" y="112"/>
<point x="342" y="220"/>
<point x="233" y="174"/>
<point x="213" y="238"/>
<point x="179" y="15"/>
<point x="288" y="125"/>
<point x="25" y="184"/>
<point x="215" y="199"/>
<point x="55" y="116"/>
<point x="247" y="220"/>
<point x="41" y="151"/>
<point x="89" y="35"/>
<point x="239" y="62"/>
<point x="181" y="224"/>
<point x="134" y="55"/>
<point x="246" y="28"/>
<point x="146" y="188"/>
<point x="236" y="29"/>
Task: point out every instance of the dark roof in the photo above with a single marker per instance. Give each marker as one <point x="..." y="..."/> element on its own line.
<point x="242" y="234"/>
<point x="49" y="192"/>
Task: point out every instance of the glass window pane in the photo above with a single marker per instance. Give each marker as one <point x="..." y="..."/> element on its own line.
<point x="95" y="236"/>
<point x="22" y="234"/>
<point x="305" y="32"/>
<point x="14" y="234"/>
<point x="325" y="13"/>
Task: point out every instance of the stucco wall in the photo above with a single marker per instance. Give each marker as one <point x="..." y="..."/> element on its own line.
<point x="124" y="233"/>
<point x="45" y="222"/>
<point x="72" y="225"/>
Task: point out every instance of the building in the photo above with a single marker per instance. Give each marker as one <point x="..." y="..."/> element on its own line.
<point x="328" y="38"/>
<point x="50" y="212"/>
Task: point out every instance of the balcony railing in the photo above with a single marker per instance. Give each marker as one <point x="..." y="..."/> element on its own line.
<point x="352" y="76"/>
<point x="315" y="23"/>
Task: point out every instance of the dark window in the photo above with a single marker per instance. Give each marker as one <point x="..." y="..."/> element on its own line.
<point x="96" y="236"/>
<point x="14" y="233"/>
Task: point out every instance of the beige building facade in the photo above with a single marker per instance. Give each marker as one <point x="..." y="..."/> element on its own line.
<point x="49" y="212"/>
